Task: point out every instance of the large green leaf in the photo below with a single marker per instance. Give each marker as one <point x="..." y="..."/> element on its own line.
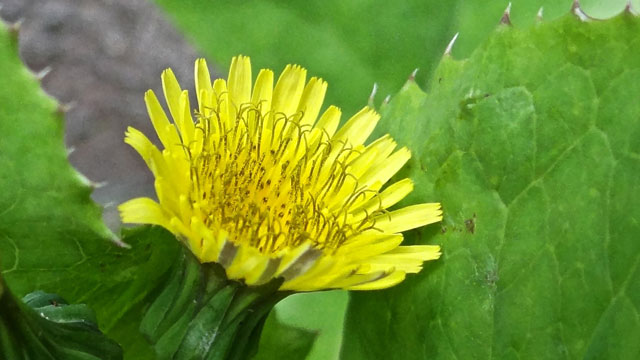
<point x="51" y="235"/>
<point x="533" y="147"/>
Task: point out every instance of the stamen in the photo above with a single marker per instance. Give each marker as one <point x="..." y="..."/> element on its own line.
<point x="276" y="197"/>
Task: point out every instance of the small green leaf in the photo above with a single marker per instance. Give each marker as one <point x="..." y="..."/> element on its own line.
<point x="282" y="341"/>
<point x="44" y="326"/>
<point x="532" y="145"/>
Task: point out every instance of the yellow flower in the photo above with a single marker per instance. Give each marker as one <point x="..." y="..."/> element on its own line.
<point x="261" y="185"/>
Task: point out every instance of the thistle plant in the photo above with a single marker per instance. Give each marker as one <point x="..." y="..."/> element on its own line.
<point x="487" y="210"/>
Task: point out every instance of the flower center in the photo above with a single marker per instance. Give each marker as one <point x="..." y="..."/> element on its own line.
<point x="272" y="183"/>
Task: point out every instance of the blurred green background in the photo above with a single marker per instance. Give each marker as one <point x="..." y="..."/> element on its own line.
<point x="352" y="45"/>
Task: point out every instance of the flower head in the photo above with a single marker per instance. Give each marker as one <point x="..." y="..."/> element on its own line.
<point x="263" y="186"/>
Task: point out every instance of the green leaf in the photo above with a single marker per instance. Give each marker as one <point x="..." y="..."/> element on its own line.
<point x="321" y="313"/>
<point x="533" y="147"/>
<point x="282" y="341"/>
<point x="44" y="326"/>
<point x="51" y="234"/>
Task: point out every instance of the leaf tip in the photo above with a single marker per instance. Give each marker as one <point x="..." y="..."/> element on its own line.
<point x="83" y="179"/>
<point x="506" y="16"/>
<point x="373" y="95"/>
<point x="386" y="100"/>
<point x="412" y="76"/>
<point x="64" y="108"/>
<point x="576" y="10"/>
<point x="539" y="15"/>
<point x="40" y="75"/>
<point x="14" y="29"/>
<point x="447" y="51"/>
<point x="628" y="9"/>
<point x="89" y="183"/>
<point x="97" y="185"/>
<point x="118" y="242"/>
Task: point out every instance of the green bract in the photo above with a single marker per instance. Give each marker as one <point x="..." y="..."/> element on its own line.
<point x="533" y="147"/>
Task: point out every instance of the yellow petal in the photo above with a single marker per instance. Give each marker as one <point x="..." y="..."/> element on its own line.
<point x="209" y="250"/>
<point x="321" y="267"/>
<point x="263" y="91"/>
<point x="223" y="108"/>
<point x="311" y="100"/>
<point x="329" y="120"/>
<point x="143" y="211"/>
<point x="262" y="272"/>
<point x="246" y="259"/>
<point x="381" y="172"/>
<point x="240" y="80"/>
<point x="358" y="279"/>
<point x="392" y="279"/>
<point x="389" y="197"/>
<point x="149" y="152"/>
<point x="325" y="280"/>
<point x="184" y="120"/>
<point x="409" y="218"/>
<point x="382" y="245"/>
<point x="166" y="131"/>
<point x="378" y="150"/>
<point x="297" y="261"/>
<point x="286" y="95"/>
<point x="405" y="258"/>
<point x="358" y="128"/>
<point x="203" y="81"/>
<point x="172" y="93"/>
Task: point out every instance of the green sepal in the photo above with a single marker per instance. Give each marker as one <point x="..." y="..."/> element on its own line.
<point x="200" y="314"/>
<point x="44" y="326"/>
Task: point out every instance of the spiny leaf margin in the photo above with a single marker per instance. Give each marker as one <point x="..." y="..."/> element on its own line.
<point x="532" y="145"/>
<point x="52" y="237"/>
